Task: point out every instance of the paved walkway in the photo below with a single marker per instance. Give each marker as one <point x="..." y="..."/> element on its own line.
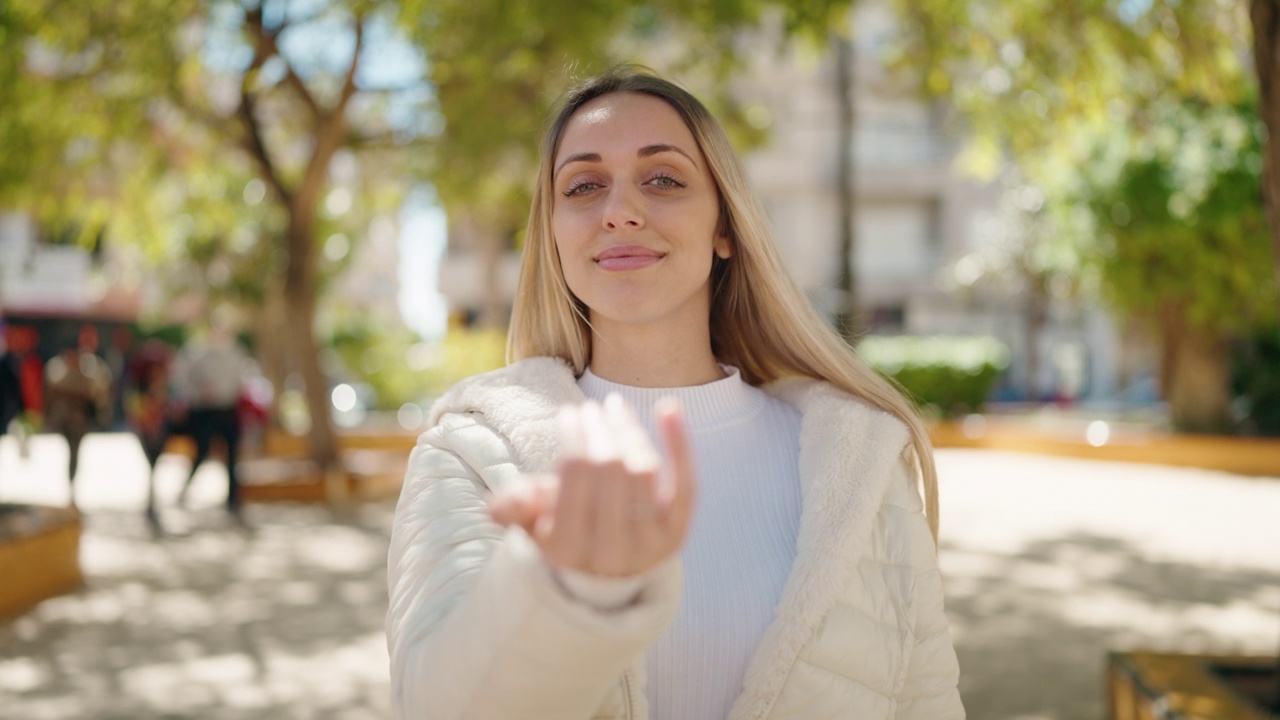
<point x="1049" y="563"/>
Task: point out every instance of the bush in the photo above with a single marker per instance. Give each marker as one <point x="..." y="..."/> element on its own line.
<point x="943" y="375"/>
<point x="400" y="367"/>
<point x="1255" y="381"/>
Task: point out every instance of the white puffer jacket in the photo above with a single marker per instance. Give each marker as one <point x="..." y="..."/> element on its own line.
<point x="478" y="629"/>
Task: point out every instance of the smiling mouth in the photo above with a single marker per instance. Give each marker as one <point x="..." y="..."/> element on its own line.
<point x="627" y="257"/>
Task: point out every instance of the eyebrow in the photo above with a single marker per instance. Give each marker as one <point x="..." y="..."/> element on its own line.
<point x="646" y="151"/>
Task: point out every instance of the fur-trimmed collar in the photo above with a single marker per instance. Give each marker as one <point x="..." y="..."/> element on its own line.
<point x="847" y="452"/>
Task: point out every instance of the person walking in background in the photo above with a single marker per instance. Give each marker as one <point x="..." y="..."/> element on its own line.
<point x="25" y="344"/>
<point x="77" y="397"/>
<point x="208" y="376"/>
<point x="11" y="404"/>
<point x="116" y="354"/>
<point x="148" y="408"/>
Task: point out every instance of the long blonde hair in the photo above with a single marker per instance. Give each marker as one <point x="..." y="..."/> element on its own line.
<point x="761" y="322"/>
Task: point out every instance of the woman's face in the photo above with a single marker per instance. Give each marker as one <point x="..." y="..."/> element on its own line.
<point x="635" y="213"/>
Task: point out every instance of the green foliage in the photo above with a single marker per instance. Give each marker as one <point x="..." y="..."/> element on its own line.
<point x="401" y="368"/>
<point x="1026" y="76"/>
<point x="942" y="375"/>
<point x="126" y="116"/>
<point x="1256" y="382"/>
<point x="1180" y="231"/>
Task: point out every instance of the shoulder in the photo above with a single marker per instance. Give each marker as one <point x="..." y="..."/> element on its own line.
<point x="529" y="386"/>
<point x="520" y="402"/>
<point x="830" y="412"/>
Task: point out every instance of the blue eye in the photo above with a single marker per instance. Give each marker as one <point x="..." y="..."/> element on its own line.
<point x="581" y="187"/>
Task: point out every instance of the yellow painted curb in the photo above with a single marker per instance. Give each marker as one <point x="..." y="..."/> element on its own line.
<point x="1243" y="456"/>
<point x="40" y="565"/>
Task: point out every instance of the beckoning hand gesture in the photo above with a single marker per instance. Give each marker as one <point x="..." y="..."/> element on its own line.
<point x="612" y="508"/>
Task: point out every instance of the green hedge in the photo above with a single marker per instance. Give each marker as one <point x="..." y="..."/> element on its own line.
<point x="1255" y="380"/>
<point x="944" y="375"/>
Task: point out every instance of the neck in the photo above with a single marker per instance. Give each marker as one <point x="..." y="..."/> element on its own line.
<point x="653" y="355"/>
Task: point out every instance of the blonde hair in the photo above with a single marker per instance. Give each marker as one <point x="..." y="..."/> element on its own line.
<point x="761" y="322"/>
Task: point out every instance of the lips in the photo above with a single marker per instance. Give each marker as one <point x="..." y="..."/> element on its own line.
<point x="628" y="257"/>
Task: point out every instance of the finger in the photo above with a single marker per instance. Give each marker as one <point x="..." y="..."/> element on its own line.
<point x="508" y="508"/>
<point x="633" y="442"/>
<point x="612" y="543"/>
<point x="564" y="534"/>
<point x="651" y="538"/>
<point x="521" y="502"/>
<point x="680" y="488"/>
<point x="597" y="438"/>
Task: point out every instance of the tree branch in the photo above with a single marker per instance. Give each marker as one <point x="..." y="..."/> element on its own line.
<point x="386" y="140"/>
<point x="254" y="142"/>
<point x="349" y="83"/>
<point x="265" y="41"/>
<point x="331" y="133"/>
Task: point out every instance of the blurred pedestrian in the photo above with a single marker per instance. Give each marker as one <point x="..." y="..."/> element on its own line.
<point x="208" y="379"/>
<point x="25" y="343"/>
<point x="77" y="397"/>
<point x="148" y="409"/>
<point x="547" y="561"/>
<point x="11" y="405"/>
<point x="117" y="354"/>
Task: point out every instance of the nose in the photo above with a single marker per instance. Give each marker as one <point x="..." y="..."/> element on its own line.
<point x="624" y="209"/>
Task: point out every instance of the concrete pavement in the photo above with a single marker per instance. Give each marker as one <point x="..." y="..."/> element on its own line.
<point x="1049" y="563"/>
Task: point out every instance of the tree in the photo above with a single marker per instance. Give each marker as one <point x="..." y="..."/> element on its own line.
<point x="1181" y="242"/>
<point x="1264" y="17"/>
<point x="1039" y="83"/>
<point x="155" y="102"/>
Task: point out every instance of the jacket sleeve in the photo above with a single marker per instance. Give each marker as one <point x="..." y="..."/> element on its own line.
<point x="933" y="673"/>
<point x="477" y="626"/>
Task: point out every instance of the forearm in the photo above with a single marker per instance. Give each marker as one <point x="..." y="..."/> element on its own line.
<point x="516" y="646"/>
<point x="478" y="626"/>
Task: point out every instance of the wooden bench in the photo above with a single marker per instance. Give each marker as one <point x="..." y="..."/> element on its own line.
<point x="1165" y="686"/>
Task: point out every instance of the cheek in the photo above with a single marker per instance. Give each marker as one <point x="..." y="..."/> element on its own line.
<point x="570" y="268"/>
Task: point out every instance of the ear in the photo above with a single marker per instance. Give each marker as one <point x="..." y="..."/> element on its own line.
<point x="722" y="247"/>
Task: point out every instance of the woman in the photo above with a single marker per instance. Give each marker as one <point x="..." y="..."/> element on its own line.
<point x="804" y="583"/>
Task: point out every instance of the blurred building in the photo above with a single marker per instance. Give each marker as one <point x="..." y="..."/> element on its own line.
<point x="55" y="284"/>
<point x="478" y="273"/>
<point x="369" y="285"/>
<point x="921" y="224"/>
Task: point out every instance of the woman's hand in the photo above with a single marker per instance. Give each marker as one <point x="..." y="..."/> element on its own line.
<point x="612" y="509"/>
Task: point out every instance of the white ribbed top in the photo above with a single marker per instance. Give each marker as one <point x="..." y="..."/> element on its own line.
<point x="742" y="543"/>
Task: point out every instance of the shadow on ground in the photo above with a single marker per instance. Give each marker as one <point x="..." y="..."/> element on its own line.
<point x="1033" y="627"/>
<point x="281" y="621"/>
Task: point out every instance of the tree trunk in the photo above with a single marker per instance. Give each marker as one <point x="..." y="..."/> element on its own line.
<point x="1195" y="378"/>
<point x="300" y="306"/>
<point x="847" y="312"/>
<point x="269" y="331"/>
<point x="1265" y="17"/>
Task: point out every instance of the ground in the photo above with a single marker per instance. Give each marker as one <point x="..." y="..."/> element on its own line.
<point x="1048" y="563"/>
